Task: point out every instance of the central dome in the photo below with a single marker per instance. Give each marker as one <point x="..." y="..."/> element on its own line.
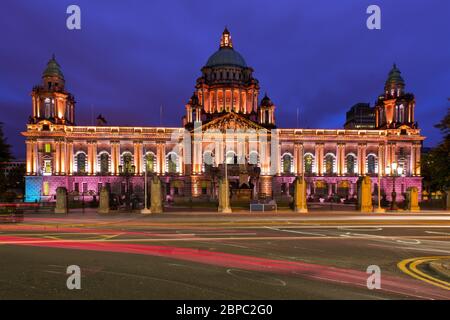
<point x="226" y="55"/>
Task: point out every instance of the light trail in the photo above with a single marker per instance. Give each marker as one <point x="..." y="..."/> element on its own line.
<point x="234" y="261"/>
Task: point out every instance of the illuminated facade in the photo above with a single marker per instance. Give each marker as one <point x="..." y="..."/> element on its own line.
<point x="263" y="159"/>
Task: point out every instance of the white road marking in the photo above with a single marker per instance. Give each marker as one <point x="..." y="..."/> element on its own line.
<point x="436" y="232"/>
<point x="301" y="232"/>
<point x="360" y="228"/>
<point x="409" y="241"/>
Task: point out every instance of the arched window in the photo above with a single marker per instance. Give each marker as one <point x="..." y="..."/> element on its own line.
<point x="127" y="162"/>
<point x="309" y="162"/>
<point x="401" y="113"/>
<point x="104" y="162"/>
<point x="371" y="164"/>
<point x="287" y="163"/>
<point x="329" y="164"/>
<point x="150" y="162"/>
<point x="253" y="158"/>
<point x="172" y="162"/>
<point x="208" y="160"/>
<point x="81" y="162"/>
<point x="231" y="157"/>
<point x="350" y="164"/>
<point x="47" y="108"/>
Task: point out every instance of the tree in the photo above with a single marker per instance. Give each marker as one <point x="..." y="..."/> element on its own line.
<point x="5" y="148"/>
<point x="436" y="164"/>
<point x="5" y="156"/>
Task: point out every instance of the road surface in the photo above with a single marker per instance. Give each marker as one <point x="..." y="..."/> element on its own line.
<point x="240" y="256"/>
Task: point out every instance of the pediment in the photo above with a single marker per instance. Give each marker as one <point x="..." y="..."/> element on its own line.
<point x="231" y="121"/>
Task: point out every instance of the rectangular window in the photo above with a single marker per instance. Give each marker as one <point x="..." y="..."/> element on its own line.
<point x="76" y="187"/>
<point x="48" y="148"/>
<point x="99" y="187"/>
<point x="85" y="187"/>
<point x="47" y="167"/>
<point x="46" y="188"/>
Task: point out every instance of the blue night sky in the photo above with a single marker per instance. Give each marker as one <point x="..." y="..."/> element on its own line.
<point x="130" y="56"/>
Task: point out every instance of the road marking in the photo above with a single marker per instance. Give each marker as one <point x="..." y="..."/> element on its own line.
<point x="409" y="241"/>
<point x="436" y="232"/>
<point x="301" y="232"/>
<point x="360" y="228"/>
<point x="409" y="266"/>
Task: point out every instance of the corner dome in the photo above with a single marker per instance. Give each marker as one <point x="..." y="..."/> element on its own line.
<point x="395" y="76"/>
<point x="226" y="55"/>
<point x="53" y="69"/>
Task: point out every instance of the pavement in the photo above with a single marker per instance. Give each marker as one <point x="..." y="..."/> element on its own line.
<point x="183" y="255"/>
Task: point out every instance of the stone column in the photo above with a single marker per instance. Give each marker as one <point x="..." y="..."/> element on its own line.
<point x="137" y="155"/>
<point x="340" y="159"/>
<point x="181" y="158"/>
<point x="318" y="158"/>
<point x="161" y="157"/>
<point x="296" y="159"/>
<point x="90" y="156"/>
<point x="301" y="154"/>
<point x="36" y="165"/>
<point x="276" y="153"/>
<point x="94" y="157"/>
<point x="417" y="159"/>
<point x="115" y="157"/>
<point x="63" y="168"/>
<point x="363" y="158"/>
<point x="57" y="156"/>
<point x="29" y="164"/>
<point x="69" y="158"/>
<point x="381" y="162"/>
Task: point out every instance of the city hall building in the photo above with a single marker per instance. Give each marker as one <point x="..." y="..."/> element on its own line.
<point x="263" y="160"/>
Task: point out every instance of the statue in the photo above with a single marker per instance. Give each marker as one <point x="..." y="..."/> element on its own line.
<point x="300" y="195"/>
<point x="103" y="206"/>
<point x="365" y="194"/>
<point x="156" y="195"/>
<point x="412" y="196"/>
<point x="61" y="200"/>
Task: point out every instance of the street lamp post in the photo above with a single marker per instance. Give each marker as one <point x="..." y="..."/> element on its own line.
<point x="395" y="172"/>
<point x="379" y="209"/>
<point x="127" y="173"/>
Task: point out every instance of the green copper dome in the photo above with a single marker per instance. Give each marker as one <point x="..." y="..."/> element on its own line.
<point x="226" y="56"/>
<point x="394" y="75"/>
<point x="53" y="69"/>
